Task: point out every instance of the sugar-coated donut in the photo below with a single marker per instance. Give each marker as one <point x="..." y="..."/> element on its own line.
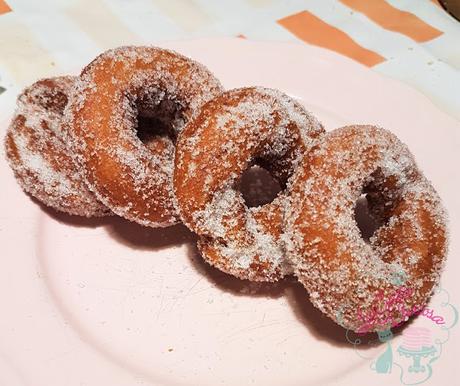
<point x="39" y="155"/>
<point x="121" y="90"/>
<point x="365" y="286"/>
<point x="237" y="129"/>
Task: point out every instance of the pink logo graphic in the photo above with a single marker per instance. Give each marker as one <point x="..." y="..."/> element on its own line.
<point x="417" y="343"/>
<point x="381" y="316"/>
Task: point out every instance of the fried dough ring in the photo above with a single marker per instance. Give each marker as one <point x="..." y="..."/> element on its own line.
<point x="39" y="155"/>
<point x="133" y="178"/>
<point x="350" y="280"/>
<point x="237" y="129"/>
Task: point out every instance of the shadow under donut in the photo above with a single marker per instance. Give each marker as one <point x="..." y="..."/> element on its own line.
<point x="144" y="238"/>
<point x="150" y="239"/>
<point x="126" y="232"/>
<point x="313" y="319"/>
<point x="72" y="220"/>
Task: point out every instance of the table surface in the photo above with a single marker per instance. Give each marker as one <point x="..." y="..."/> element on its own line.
<point x="416" y="42"/>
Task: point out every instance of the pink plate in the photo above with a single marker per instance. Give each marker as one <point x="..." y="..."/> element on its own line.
<point x="108" y="302"/>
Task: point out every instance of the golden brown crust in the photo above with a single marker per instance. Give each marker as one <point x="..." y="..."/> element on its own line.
<point x="232" y="132"/>
<point x="134" y="178"/>
<point x="38" y="153"/>
<point x="344" y="275"/>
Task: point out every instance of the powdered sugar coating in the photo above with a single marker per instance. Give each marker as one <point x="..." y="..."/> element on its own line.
<point x="237" y="129"/>
<point x="343" y="274"/>
<point x="39" y="155"/>
<point x="132" y="177"/>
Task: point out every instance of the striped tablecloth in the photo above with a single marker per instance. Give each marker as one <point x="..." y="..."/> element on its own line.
<point x="415" y="41"/>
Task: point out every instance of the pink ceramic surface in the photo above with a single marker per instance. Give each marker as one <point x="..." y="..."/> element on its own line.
<point x="107" y="302"/>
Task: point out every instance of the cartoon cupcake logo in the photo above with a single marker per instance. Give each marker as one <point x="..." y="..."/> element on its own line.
<point x="417" y="343"/>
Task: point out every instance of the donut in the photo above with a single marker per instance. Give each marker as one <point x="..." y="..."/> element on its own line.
<point x="39" y="155"/>
<point x="130" y="104"/>
<point x="374" y="285"/>
<point x="234" y="131"/>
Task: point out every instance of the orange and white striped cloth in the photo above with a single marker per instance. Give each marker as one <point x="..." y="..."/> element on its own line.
<point x="415" y="41"/>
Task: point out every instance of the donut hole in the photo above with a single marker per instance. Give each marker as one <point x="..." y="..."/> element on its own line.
<point x="258" y="187"/>
<point x="377" y="202"/>
<point x="365" y="221"/>
<point x="149" y="128"/>
<point x="157" y="116"/>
